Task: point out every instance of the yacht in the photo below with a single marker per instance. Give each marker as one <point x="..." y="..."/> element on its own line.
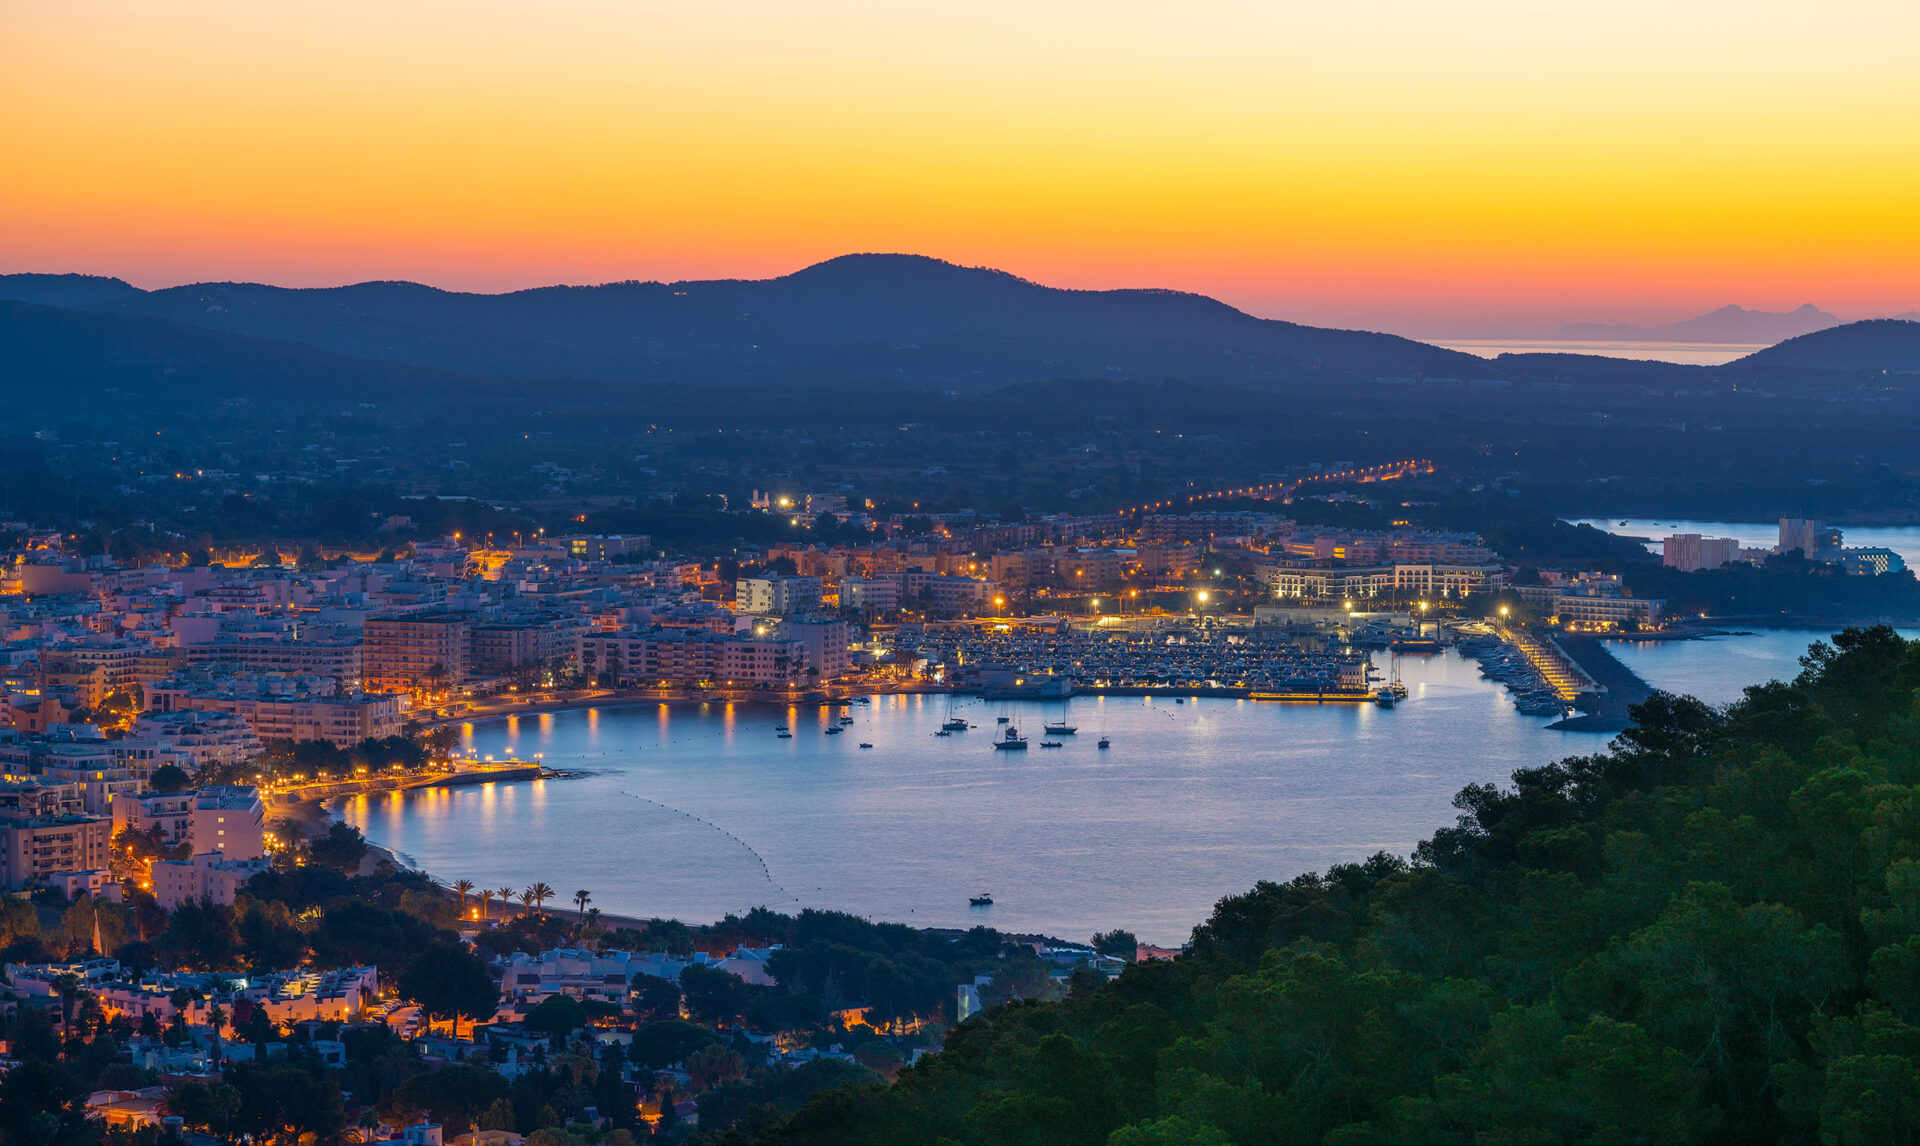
<point x="1061" y="729"/>
<point x="1384" y="698"/>
<point x="1011" y="742"/>
<point x="955" y="725"/>
<point x="835" y="730"/>
<point x="1104" y="743"/>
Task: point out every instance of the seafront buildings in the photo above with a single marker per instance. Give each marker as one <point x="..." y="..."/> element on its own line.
<point x="1799" y="537"/>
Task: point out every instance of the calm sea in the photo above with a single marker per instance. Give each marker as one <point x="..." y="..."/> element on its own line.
<point x="1684" y="353"/>
<point x="697" y="811"/>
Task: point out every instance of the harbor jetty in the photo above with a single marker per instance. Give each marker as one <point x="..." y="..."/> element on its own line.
<point x="1605" y="710"/>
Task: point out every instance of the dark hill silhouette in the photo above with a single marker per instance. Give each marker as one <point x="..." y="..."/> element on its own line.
<point x="1877" y="344"/>
<point x="859" y="318"/>
<point x="56" y="360"/>
<point x="85" y="292"/>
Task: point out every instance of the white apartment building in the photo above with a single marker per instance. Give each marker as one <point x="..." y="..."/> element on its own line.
<point x="877" y="595"/>
<point x="207" y="877"/>
<point x="776" y="596"/>
<point x="229" y="821"/>
<point x="1690" y="552"/>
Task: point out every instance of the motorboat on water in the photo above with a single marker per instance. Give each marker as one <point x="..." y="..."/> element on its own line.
<point x="1050" y="744"/>
<point x="1000" y="720"/>
<point x="1104" y="743"/>
<point x="783" y="736"/>
<point x="835" y="730"/>
<point x="864" y="744"/>
<point x="1384" y="698"/>
<point x="981" y="900"/>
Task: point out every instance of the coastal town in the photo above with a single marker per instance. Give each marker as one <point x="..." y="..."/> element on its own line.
<point x="182" y="912"/>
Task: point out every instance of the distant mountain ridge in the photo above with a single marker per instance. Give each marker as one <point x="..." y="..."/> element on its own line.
<point x="1735" y="324"/>
<point x="873" y="318"/>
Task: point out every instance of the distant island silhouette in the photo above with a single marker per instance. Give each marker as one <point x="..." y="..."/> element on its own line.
<point x="1735" y="324"/>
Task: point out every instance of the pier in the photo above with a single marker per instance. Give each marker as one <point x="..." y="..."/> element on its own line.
<point x="1605" y="710"/>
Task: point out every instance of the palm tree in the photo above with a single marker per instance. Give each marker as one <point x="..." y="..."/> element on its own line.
<point x="463" y="886"/>
<point x="226" y="1102"/>
<point x="68" y="985"/>
<point x="506" y="897"/>
<point x="369" y="1122"/>
<point x="486" y="896"/>
<point x="539" y="893"/>
<point x="581" y="897"/>
<point x="526" y="897"/>
<point x="216" y="1018"/>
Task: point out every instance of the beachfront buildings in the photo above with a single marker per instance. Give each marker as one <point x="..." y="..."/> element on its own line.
<point x="414" y="650"/>
<point x="650" y="655"/>
<point x="344" y="720"/>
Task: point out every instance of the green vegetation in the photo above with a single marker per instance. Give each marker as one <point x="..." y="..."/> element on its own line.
<point x="1712" y="933"/>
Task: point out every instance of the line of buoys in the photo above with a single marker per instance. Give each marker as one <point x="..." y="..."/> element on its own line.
<point x="765" y="871"/>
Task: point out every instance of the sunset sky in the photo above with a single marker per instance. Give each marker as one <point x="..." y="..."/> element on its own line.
<point x="1417" y="165"/>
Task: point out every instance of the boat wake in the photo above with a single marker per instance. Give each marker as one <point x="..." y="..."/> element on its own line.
<point x="765" y="871"/>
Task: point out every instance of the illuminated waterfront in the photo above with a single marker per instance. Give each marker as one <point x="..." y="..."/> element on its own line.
<point x="694" y="812"/>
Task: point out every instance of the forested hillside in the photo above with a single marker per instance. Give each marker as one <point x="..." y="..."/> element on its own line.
<point x="1711" y="934"/>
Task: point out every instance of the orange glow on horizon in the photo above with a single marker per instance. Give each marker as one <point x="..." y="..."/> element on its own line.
<point x="1396" y="164"/>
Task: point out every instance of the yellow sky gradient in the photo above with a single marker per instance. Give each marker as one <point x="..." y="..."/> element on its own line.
<point x="1392" y="163"/>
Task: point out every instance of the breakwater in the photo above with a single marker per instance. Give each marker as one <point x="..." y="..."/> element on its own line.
<point x="1605" y="711"/>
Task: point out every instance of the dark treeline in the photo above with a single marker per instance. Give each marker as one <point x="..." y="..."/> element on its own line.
<point x="1710" y="934"/>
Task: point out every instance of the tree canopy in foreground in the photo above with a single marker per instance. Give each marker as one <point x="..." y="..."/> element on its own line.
<point x="1711" y="933"/>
